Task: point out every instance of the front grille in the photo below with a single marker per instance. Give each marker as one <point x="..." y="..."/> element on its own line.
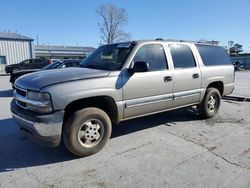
<point x="20" y="103"/>
<point x="23" y="93"/>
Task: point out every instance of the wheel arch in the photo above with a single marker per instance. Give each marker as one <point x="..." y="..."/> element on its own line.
<point x="217" y="85"/>
<point x="105" y="103"/>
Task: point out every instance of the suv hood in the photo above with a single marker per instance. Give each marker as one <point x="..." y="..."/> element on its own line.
<point x="37" y="80"/>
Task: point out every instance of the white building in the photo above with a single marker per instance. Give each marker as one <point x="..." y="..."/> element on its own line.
<point x="14" y="48"/>
<point x="62" y="52"/>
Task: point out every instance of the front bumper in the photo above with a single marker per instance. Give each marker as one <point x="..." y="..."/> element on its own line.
<point x="44" y="129"/>
<point x="8" y="70"/>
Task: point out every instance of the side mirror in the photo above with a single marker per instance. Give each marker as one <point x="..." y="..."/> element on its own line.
<point x="139" y="66"/>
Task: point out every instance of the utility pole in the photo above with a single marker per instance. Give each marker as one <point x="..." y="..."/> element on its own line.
<point x="37" y="40"/>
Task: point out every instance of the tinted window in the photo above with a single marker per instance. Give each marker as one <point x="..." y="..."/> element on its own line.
<point x="52" y="65"/>
<point x="68" y="64"/>
<point x="28" y="61"/>
<point x="154" y="55"/>
<point x="76" y="64"/>
<point x="182" y="56"/>
<point x="37" y="60"/>
<point x="213" y="55"/>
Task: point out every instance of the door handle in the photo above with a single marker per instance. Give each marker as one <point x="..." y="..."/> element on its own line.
<point x="195" y="76"/>
<point x="167" y="78"/>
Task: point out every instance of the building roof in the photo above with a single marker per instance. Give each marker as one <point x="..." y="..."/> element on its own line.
<point x="63" y="48"/>
<point x="14" y="36"/>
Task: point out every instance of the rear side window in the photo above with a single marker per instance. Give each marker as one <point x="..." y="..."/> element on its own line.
<point x="182" y="56"/>
<point x="76" y="64"/>
<point x="37" y="60"/>
<point x="213" y="55"/>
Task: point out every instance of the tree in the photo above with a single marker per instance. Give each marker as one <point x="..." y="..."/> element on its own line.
<point x="113" y="20"/>
<point x="235" y="48"/>
<point x="230" y="43"/>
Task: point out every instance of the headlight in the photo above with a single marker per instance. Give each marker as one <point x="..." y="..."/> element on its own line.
<point x="39" y="102"/>
<point x="38" y="96"/>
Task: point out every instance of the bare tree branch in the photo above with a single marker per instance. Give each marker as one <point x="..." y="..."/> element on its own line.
<point x="113" y="18"/>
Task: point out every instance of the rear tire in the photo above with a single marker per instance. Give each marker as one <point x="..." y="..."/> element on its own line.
<point x="210" y="104"/>
<point x="87" y="131"/>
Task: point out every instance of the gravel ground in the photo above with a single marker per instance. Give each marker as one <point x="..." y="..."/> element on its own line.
<point x="172" y="149"/>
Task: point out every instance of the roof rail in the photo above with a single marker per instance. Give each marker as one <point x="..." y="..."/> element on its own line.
<point x="213" y="42"/>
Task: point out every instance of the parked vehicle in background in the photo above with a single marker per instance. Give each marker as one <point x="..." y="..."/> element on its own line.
<point x="27" y="64"/>
<point x="118" y="82"/>
<point x="56" y="65"/>
<point x="55" y="60"/>
<point x="238" y="66"/>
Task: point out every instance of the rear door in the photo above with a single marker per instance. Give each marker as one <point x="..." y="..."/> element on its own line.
<point x="148" y="92"/>
<point x="186" y="75"/>
<point x="39" y="63"/>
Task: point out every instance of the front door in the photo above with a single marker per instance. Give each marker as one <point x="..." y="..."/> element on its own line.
<point x="151" y="91"/>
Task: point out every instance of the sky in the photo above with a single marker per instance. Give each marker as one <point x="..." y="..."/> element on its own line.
<point x="75" y="22"/>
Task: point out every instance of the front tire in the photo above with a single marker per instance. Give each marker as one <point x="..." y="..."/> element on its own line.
<point x="210" y="104"/>
<point x="16" y="69"/>
<point x="87" y="131"/>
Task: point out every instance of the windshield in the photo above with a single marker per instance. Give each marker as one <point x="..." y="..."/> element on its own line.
<point x="108" y="57"/>
<point x="52" y="65"/>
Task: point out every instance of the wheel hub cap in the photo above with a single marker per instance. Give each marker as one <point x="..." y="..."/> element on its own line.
<point x="211" y="103"/>
<point x="90" y="132"/>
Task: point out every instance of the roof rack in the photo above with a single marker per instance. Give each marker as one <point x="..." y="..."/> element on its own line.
<point x="213" y="42"/>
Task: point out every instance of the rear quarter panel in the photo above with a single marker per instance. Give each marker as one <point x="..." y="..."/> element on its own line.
<point x="225" y="74"/>
<point x="215" y="73"/>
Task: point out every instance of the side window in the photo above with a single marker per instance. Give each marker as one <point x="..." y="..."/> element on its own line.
<point x="2" y="60"/>
<point x="28" y="61"/>
<point x="68" y="64"/>
<point x="76" y="64"/>
<point x="182" y="56"/>
<point x="213" y="55"/>
<point x="154" y="55"/>
<point x="37" y="60"/>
